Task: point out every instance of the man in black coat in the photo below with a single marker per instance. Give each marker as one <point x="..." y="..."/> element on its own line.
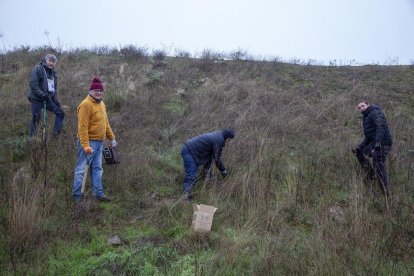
<point x="377" y="143"/>
<point x="43" y="91"/>
<point x="201" y="150"/>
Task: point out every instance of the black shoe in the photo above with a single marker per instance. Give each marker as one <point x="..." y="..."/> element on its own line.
<point x="55" y="136"/>
<point x="103" y="199"/>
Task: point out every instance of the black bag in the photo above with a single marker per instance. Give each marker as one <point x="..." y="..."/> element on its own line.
<point x="111" y="155"/>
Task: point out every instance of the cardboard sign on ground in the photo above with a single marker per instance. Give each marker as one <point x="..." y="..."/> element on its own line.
<point x="203" y="217"/>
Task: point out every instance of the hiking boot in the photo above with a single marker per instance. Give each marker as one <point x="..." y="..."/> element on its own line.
<point x="55" y="135"/>
<point x="186" y="196"/>
<point x="103" y="199"/>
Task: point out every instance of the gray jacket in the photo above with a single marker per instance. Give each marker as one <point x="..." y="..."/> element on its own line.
<point x="38" y="83"/>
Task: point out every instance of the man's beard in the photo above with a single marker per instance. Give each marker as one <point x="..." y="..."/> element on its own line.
<point x="96" y="100"/>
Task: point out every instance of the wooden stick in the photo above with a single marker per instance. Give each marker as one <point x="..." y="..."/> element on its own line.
<point x="85" y="177"/>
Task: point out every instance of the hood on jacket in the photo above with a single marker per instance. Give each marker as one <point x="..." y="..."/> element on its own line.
<point x="228" y="133"/>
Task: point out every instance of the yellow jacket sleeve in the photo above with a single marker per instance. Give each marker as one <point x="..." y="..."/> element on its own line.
<point x="84" y="113"/>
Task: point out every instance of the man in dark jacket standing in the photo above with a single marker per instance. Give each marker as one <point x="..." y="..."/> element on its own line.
<point x="377" y="142"/>
<point x="201" y="150"/>
<point x="43" y="91"/>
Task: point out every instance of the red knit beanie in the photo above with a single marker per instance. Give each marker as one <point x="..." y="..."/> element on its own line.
<point x="96" y="84"/>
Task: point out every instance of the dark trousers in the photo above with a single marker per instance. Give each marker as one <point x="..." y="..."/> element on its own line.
<point x="37" y="115"/>
<point x="190" y="168"/>
<point x="379" y="157"/>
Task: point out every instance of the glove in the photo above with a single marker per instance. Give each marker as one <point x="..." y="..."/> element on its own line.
<point x="45" y="97"/>
<point x="224" y="174"/>
<point x="113" y="143"/>
<point x="88" y="150"/>
<point x="376" y="148"/>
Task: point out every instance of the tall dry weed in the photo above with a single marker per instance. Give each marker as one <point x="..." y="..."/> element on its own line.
<point x="357" y="207"/>
<point x="25" y="212"/>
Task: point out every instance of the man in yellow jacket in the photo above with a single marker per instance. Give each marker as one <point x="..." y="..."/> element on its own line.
<point x="93" y="128"/>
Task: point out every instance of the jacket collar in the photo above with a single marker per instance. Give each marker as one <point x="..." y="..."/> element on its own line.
<point x="368" y="110"/>
<point x="92" y="99"/>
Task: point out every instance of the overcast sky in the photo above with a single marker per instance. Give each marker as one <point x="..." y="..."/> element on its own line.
<point x="367" y="31"/>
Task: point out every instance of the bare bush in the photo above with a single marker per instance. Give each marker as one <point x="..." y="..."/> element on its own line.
<point x="208" y="54"/>
<point x="239" y="54"/>
<point x="102" y="50"/>
<point x="159" y="55"/>
<point x="134" y="53"/>
<point x="182" y="53"/>
<point x="207" y="59"/>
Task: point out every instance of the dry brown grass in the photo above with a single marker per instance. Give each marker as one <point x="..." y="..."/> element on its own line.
<point x="289" y="164"/>
<point x="25" y="212"/>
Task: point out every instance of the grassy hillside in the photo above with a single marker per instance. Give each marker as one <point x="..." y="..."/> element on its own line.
<point x="295" y="200"/>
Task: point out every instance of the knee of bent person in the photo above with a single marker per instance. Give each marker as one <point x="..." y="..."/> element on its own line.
<point x="359" y="154"/>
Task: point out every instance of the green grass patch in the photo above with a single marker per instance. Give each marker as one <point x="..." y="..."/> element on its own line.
<point x="20" y="147"/>
<point x="177" y="107"/>
<point x="76" y="257"/>
<point x="178" y="231"/>
<point x="131" y="233"/>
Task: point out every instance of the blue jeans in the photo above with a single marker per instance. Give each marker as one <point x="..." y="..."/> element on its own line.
<point x="94" y="161"/>
<point x="37" y="115"/>
<point x="190" y="168"/>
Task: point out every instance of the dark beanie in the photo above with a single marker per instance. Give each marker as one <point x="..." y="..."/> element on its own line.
<point x="228" y="133"/>
<point x="96" y="84"/>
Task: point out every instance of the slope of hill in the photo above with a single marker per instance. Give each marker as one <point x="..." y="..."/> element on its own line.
<point x="295" y="200"/>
